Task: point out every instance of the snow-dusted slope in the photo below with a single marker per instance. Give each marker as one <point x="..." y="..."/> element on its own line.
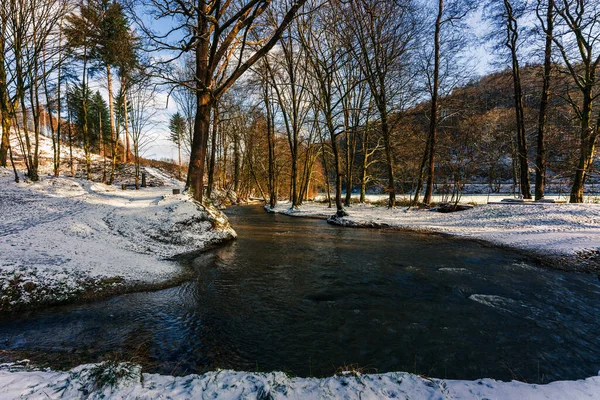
<point x="99" y="382"/>
<point x="61" y="236"/>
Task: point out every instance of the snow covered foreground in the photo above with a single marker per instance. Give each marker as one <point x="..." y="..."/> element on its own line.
<point x="567" y="234"/>
<point x="126" y="381"/>
<point x="63" y="237"/>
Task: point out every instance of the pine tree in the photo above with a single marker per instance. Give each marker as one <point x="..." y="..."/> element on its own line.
<point x="177" y="126"/>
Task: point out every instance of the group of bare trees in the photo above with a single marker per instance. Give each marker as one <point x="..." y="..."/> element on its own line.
<point x="30" y="53"/>
<point x="361" y="91"/>
<point x="284" y="98"/>
<point x="52" y="55"/>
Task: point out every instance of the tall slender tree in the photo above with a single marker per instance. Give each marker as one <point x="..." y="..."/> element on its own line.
<point x="177" y="128"/>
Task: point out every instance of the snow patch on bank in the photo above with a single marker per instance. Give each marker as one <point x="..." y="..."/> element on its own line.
<point x="61" y="236"/>
<point x="126" y="381"/>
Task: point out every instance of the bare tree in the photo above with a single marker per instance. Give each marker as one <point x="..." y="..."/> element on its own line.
<point x="142" y="119"/>
<point x="506" y="16"/>
<point x="28" y="30"/>
<point x="444" y="71"/>
<point x="576" y="35"/>
<point x="217" y="33"/>
<point x="383" y="33"/>
<point x="547" y="24"/>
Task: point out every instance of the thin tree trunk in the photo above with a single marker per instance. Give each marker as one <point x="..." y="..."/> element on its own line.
<point x="271" y="145"/>
<point x="511" y="43"/>
<point x="540" y="159"/>
<point x="86" y="132"/>
<point x="126" y="121"/>
<point x="103" y="147"/>
<point x="179" y="158"/>
<point x="12" y="163"/>
<point x="70" y="136"/>
<point x="389" y="156"/>
<point x="4" y="114"/>
<point x="365" y="163"/>
<point x="58" y="106"/>
<point x="213" y="151"/>
<point x="421" y="174"/>
<point x="434" y="107"/>
<point x="113" y="135"/>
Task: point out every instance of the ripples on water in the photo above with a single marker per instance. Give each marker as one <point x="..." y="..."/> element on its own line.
<point x="301" y="296"/>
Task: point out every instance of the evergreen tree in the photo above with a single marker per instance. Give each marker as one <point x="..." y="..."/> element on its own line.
<point x="99" y="122"/>
<point x="177" y="127"/>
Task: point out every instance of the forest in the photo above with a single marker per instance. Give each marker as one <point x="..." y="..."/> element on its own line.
<point x="287" y="99"/>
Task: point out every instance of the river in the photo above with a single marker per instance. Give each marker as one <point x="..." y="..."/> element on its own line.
<point x="301" y="296"/>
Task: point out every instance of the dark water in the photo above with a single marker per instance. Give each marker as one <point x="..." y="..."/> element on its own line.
<point x="304" y="297"/>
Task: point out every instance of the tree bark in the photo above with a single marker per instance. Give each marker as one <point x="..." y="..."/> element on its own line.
<point x="434" y="106"/>
<point x="389" y="154"/>
<point x="113" y="135"/>
<point x="126" y="116"/>
<point x="540" y="159"/>
<point x="511" y="43"/>
<point x="4" y="109"/>
<point x="213" y="151"/>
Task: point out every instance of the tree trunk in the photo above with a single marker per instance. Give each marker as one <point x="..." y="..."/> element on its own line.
<point x="385" y="130"/>
<point x="70" y="132"/>
<point x="365" y="165"/>
<point x="236" y="162"/>
<point x="4" y="114"/>
<point x="338" y="177"/>
<point x="586" y="150"/>
<point x="113" y="135"/>
<point x="434" y="107"/>
<point x="203" y="108"/>
<point x="421" y="174"/>
<point x="86" y="132"/>
<point x="512" y="43"/>
<point x="271" y="145"/>
<point x="540" y="159"/>
<point x="126" y="121"/>
<point x="198" y="153"/>
<point x="213" y="151"/>
<point x="327" y="183"/>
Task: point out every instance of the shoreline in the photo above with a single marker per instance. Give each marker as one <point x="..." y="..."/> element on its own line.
<point x="106" y="288"/>
<point x="127" y="380"/>
<point x="67" y="240"/>
<point x="567" y="262"/>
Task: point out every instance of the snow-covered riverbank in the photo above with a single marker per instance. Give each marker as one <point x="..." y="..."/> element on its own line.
<point x="566" y="235"/>
<point x="126" y="381"/>
<point x="63" y="238"/>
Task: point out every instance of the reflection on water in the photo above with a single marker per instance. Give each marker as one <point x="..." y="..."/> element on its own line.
<point x="304" y="297"/>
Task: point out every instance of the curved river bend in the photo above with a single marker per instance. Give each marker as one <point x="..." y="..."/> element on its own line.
<point x="305" y="297"/>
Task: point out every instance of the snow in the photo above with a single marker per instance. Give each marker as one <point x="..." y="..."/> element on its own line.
<point x="562" y="231"/>
<point x="61" y="237"/>
<point x="126" y="381"/>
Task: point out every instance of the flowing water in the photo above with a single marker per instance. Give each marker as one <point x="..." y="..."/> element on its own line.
<point x="308" y="298"/>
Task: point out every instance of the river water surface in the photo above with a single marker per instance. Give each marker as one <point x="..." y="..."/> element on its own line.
<point x="308" y="298"/>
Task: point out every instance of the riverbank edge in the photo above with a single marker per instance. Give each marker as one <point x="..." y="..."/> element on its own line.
<point x="565" y="263"/>
<point x="23" y="292"/>
<point x="107" y="287"/>
<point x="127" y="380"/>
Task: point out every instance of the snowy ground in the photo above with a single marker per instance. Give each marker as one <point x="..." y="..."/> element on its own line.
<point x="126" y="381"/>
<point x="481" y="197"/>
<point x="61" y="237"/>
<point x="566" y="234"/>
